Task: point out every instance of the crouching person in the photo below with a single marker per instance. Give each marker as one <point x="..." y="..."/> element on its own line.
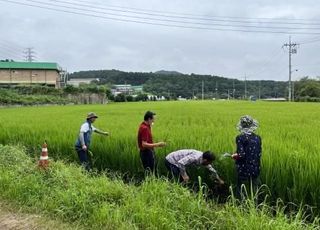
<point x="176" y="162"/>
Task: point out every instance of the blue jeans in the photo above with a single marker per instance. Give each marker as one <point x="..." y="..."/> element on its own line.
<point x="84" y="158"/>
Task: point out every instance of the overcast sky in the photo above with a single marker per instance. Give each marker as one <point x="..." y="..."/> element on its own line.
<point x="79" y="42"/>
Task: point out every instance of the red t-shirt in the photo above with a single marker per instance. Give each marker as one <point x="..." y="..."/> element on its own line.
<point x="144" y="134"/>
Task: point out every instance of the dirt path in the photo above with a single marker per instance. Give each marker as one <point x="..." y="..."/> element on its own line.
<point x="10" y="219"/>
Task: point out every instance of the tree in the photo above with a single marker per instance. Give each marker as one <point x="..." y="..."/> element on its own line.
<point x="120" y="98"/>
<point x="129" y="98"/>
<point x="306" y="89"/>
<point x="141" y="97"/>
<point x="185" y="85"/>
<point x="71" y="89"/>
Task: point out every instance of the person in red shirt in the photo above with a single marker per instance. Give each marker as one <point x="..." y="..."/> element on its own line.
<point x="146" y="144"/>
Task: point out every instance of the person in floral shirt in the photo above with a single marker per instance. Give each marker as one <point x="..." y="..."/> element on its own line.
<point x="248" y="155"/>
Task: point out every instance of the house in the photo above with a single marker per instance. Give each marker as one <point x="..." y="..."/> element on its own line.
<point x="275" y="99"/>
<point x="126" y="89"/>
<point x="45" y="73"/>
<point x="79" y="81"/>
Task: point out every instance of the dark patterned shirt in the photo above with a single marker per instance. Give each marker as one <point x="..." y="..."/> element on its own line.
<point x="249" y="151"/>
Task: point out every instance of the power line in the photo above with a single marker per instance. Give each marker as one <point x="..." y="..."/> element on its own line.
<point x="197" y="16"/>
<point x="265" y="66"/>
<point x="176" y="16"/>
<point x="9" y="43"/>
<point x="5" y="54"/>
<point x="9" y="51"/>
<point x="160" y="24"/>
<point x="159" y="19"/>
<point x="316" y="39"/>
<point x="3" y="47"/>
<point x="10" y="47"/>
<point x="280" y="71"/>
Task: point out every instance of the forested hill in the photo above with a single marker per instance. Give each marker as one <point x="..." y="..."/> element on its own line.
<point x="174" y="84"/>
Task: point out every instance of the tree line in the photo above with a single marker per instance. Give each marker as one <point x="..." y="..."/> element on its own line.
<point x="173" y="84"/>
<point x="307" y="89"/>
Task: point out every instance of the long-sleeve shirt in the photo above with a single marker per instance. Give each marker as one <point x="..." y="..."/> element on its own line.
<point x="249" y="152"/>
<point x="185" y="157"/>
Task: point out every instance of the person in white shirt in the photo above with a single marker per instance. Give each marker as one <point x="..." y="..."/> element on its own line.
<point x="176" y="162"/>
<point x="84" y="139"/>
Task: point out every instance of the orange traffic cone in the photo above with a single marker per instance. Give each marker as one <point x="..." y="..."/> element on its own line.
<point x="44" y="159"/>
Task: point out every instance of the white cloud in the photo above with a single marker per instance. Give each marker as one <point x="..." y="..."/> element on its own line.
<point x="78" y="42"/>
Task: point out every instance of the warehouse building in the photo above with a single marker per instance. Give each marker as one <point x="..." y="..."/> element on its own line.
<point x="44" y="73"/>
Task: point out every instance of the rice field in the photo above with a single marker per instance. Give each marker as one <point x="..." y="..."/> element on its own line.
<point x="290" y="137"/>
<point x="67" y="194"/>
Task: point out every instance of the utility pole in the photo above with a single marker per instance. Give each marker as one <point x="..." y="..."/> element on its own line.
<point x="293" y="86"/>
<point x="234" y="90"/>
<point x="245" y="86"/>
<point x="259" y="89"/>
<point x="292" y="50"/>
<point x="202" y="90"/>
<point x="29" y="54"/>
<point x="125" y="91"/>
<point x="216" y="89"/>
<point x="293" y="91"/>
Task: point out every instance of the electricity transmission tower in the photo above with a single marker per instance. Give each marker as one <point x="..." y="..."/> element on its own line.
<point x="29" y="54"/>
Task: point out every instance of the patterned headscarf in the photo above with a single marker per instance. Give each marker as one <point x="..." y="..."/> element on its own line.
<point x="247" y="125"/>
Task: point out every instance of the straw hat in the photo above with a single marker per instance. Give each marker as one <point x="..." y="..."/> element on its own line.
<point x="91" y="115"/>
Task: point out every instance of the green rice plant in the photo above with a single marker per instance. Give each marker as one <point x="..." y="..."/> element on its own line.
<point x="94" y="201"/>
<point x="289" y="131"/>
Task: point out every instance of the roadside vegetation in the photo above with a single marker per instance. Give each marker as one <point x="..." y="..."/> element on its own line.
<point x="98" y="201"/>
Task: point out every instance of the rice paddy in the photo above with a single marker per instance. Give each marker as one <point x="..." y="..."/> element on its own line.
<point x="289" y="131"/>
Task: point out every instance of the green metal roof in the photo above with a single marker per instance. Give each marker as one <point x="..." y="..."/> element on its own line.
<point x="29" y="65"/>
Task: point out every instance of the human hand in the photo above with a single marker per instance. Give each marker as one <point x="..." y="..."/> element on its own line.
<point x="186" y="178"/>
<point x="221" y="182"/>
<point x="84" y="147"/>
<point x="161" y="144"/>
<point x="235" y="156"/>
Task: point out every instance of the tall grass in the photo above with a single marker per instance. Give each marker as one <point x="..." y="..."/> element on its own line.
<point x="290" y="136"/>
<point x="68" y="193"/>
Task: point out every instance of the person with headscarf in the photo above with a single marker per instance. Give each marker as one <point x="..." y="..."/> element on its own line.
<point x="248" y="154"/>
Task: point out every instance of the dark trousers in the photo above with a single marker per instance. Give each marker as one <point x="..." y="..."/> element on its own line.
<point x="84" y="158"/>
<point x="174" y="171"/>
<point x="148" y="160"/>
<point x="253" y="183"/>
